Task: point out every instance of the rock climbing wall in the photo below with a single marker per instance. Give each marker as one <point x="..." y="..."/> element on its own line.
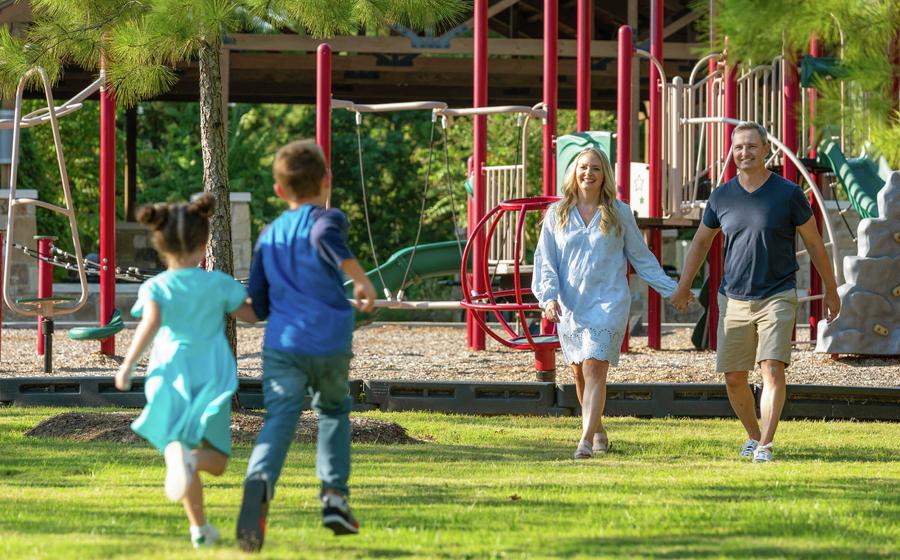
<point x="869" y="322"/>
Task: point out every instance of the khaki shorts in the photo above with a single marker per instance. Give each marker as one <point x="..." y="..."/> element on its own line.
<point x="755" y="330"/>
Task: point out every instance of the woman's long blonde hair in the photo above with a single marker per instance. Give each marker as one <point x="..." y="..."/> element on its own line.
<point x="609" y="217"/>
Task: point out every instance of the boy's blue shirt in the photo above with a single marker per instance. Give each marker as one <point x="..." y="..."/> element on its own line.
<point x="297" y="284"/>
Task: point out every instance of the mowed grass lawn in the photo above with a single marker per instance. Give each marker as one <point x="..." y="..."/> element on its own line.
<point x="482" y="488"/>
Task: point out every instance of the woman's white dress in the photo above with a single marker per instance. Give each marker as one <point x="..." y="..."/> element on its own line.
<point x="584" y="271"/>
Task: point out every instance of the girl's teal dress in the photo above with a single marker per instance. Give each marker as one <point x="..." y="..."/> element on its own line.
<point x="192" y="373"/>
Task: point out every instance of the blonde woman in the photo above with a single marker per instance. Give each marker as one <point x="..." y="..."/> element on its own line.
<point x="586" y="242"/>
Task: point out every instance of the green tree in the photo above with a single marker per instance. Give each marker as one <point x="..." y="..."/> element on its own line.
<point x="141" y="42"/>
<point x="763" y="29"/>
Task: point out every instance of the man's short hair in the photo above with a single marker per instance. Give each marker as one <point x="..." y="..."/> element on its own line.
<point x="299" y="168"/>
<point x="750" y="125"/>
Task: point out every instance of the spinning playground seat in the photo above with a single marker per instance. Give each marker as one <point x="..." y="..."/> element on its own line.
<point x="490" y="300"/>
<point x="99" y="333"/>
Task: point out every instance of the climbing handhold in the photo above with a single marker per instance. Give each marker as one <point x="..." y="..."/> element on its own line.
<point x="880" y="330"/>
<point x="896" y="291"/>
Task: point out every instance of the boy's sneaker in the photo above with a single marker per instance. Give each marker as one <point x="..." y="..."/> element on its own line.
<point x="204" y="536"/>
<point x="748" y="448"/>
<point x="336" y="515"/>
<point x="180" y="465"/>
<point x="251" y="525"/>
<point x="763" y="454"/>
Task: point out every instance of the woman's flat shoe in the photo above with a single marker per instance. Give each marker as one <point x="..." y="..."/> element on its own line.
<point x="601" y="443"/>
<point x="583" y="451"/>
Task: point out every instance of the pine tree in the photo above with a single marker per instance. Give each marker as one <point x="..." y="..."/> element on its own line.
<point x="142" y="42"/>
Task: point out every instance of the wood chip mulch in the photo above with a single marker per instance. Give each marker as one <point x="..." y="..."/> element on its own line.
<point x="438" y="352"/>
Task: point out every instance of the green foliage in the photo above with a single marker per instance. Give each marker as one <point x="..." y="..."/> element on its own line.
<point x="856" y="31"/>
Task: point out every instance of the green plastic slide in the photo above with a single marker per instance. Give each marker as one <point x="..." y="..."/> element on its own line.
<point x="862" y="177"/>
<point x="99" y="333"/>
<point x="431" y="260"/>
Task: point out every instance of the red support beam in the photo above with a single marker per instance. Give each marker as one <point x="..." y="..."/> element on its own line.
<point x="623" y="125"/>
<point x="715" y="252"/>
<point x="107" y="214"/>
<point x="815" y="281"/>
<point x="323" y="100"/>
<point x="45" y="282"/>
<point x="583" y="66"/>
<point x="479" y="142"/>
<point x="545" y="360"/>
<point x="654" y="315"/>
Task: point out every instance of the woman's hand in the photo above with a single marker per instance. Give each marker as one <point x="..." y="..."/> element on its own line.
<point x="551" y="311"/>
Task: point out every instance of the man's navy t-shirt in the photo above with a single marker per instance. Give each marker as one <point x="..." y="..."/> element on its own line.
<point x="760" y="229"/>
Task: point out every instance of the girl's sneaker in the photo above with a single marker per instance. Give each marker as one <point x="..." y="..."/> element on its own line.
<point x="583" y="451"/>
<point x="180" y="465"/>
<point x="206" y="535"/>
<point x="748" y="448"/>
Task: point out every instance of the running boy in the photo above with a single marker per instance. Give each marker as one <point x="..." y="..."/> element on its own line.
<point x="296" y="282"/>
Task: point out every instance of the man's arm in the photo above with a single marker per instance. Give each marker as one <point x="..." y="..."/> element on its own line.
<point x="809" y="232"/>
<point x="696" y="255"/>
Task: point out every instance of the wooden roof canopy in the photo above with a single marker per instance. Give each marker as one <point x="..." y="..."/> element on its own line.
<point x="280" y="68"/>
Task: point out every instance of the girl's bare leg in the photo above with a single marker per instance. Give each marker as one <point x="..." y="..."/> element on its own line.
<point x="212" y="462"/>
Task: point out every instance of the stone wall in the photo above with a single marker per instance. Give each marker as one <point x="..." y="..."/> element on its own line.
<point x="23" y="269"/>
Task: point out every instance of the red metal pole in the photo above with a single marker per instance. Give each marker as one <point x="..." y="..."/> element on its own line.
<point x="815" y="281"/>
<point x="45" y="282"/>
<point x="479" y="141"/>
<point x="623" y="117"/>
<point x="107" y="214"/>
<point x="791" y="92"/>
<point x="323" y="100"/>
<point x="550" y="80"/>
<point x="654" y="331"/>
<point x="583" y="73"/>
<point x="715" y="252"/>
<point x="623" y="125"/>
<point x="545" y="360"/>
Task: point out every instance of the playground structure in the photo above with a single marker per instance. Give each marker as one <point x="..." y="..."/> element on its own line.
<point x="690" y="124"/>
<point x="689" y="140"/>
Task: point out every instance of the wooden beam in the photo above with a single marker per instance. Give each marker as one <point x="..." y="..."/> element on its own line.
<point x="492" y="11"/>
<point x="676" y="26"/>
<point x="462" y="45"/>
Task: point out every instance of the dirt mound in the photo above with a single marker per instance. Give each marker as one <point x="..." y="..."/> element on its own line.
<point x="116" y="427"/>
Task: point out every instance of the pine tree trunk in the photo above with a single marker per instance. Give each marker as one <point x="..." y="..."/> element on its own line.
<point x="214" y="147"/>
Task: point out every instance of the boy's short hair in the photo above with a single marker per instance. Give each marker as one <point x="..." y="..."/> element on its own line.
<point x="751" y="125"/>
<point x="299" y="168"/>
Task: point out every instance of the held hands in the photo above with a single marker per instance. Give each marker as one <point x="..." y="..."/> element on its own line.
<point x="551" y="311"/>
<point x="123" y="376"/>
<point x="681" y="298"/>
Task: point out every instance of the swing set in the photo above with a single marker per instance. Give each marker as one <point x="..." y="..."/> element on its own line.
<point x="47" y="306"/>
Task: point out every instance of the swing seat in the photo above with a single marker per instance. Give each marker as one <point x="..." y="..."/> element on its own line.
<point x="101" y="332"/>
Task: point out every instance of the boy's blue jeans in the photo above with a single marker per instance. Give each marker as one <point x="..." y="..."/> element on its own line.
<point x="286" y="379"/>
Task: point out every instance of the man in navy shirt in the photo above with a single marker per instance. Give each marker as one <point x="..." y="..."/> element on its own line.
<point x="759" y="212"/>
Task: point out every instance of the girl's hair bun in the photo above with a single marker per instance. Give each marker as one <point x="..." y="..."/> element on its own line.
<point x="203" y="205"/>
<point x="153" y="216"/>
